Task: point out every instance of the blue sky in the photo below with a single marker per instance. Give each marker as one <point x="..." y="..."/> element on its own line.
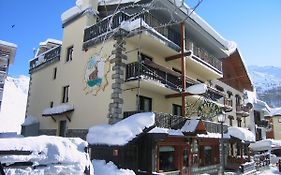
<point x="254" y="25"/>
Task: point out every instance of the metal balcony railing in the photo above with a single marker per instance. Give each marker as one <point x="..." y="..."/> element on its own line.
<point x="203" y="54"/>
<point x="44" y="58"/>
<point x="110" y="23"/>
<point x="135" y="71"/>
<point x="163" y="120"/>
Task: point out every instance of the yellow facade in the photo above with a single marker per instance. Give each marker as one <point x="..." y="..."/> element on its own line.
<point x="91" y="104"/>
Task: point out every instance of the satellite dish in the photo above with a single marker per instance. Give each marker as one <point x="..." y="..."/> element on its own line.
<point x="249" y="105"/>
<point x="197" y="89"/>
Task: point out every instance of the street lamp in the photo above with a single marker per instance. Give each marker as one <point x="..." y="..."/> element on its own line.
<point x="221" y="120"/>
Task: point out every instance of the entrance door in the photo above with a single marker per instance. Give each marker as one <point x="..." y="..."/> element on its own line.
<point x="62" y="128"/>
<point x="186" y="160"/>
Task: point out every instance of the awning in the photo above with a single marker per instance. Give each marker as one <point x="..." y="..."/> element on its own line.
<point x="58" y="110"/>
<point x="242" y="134"/>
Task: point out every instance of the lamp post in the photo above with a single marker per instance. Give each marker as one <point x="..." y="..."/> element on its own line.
<point x="221" y="120"/>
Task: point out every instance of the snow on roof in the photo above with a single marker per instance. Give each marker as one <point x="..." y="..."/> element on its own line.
<point x="5" y="43"/>
<point x="171" y="132"/>
<point x="241" y="133"/>
<point x="212" y="135"/>
<point x="75" y="11"/>
<point x="190" y="125"/>
<point x="112" y="2"/>
<point x="49" y="151"/>
<point x="275" y="111"/>
<point x="57" y="110"/>
<point x="266" y="144"/>
<point x="29" y="120"/>
<point x="103" y="168"/>
<point x="251" y="97"/>
<point x="122" y="132"/>
<point x="262" y="106"/>
<point x="50" y="40"/>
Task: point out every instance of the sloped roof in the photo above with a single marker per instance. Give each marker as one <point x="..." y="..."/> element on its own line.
<point x="235" y="73"/>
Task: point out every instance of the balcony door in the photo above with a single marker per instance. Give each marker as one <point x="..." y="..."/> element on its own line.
<point x="145" y="104"/>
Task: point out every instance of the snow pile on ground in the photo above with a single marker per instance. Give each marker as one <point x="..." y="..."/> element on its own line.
<point x="14" y="104"/>
<point x="49" y="154"/>
<point x="103" y="168"/>
<point x="122" y="132"/>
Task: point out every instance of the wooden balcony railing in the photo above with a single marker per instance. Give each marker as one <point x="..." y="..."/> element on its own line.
<point x="50" y="55"/>
<point x="243" y="110"/>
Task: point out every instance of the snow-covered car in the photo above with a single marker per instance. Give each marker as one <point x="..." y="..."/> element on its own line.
<point x="44" y="155"/>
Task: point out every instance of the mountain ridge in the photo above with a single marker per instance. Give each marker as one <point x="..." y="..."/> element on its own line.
<point x="267" y="82"/>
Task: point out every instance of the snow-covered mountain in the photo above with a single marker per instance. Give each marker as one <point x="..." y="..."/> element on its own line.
<point x="14" y="103"/>
<point x="267" y="81"/>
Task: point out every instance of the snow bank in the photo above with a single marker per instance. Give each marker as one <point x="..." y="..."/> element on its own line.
<point x="29" y="120"/>
<point x="57" y="153"/>
<point x="241" y="133"/>
<point x="103" y="168"/>
<point x="122" y="132"/>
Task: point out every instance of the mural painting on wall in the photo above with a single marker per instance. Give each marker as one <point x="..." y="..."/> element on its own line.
<point x="96" y="74"/>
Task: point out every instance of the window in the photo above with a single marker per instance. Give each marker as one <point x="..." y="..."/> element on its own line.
<point x="176" y="110"/>
<point x="62" y="128"/>
<point x="65" y="94"/>
<point x="239" y="122"/>
<point x="230" y="118"/>
<point x="145" y="104"/>
<point x="55" y="73"/>
<point x="208" y="155"/>
<point x="69" y="54"/>
<point x="257" y="116"/>
<point x="167" y="158"/>
<point x="51" y="104"/>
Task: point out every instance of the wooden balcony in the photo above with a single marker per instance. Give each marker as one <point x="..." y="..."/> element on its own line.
<point x="242" y="110"/>
<point x="47" y="57"/>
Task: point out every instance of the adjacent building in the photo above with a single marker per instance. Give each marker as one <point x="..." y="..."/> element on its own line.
<point x="7" y="56"/>
<point x="118" y="59"/>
